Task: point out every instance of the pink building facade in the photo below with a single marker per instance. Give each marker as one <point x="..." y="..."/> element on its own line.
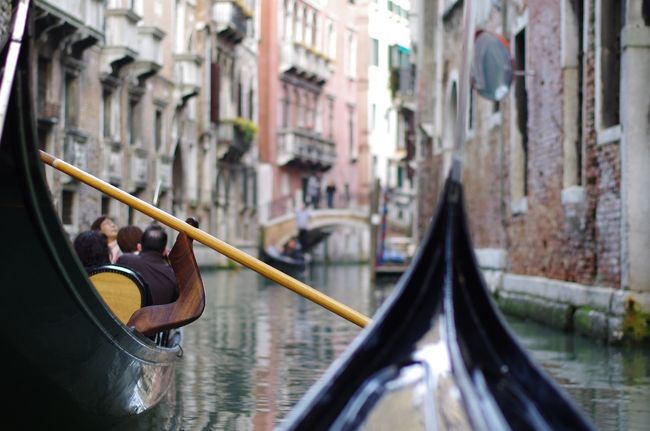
<point x="308" y="101"/>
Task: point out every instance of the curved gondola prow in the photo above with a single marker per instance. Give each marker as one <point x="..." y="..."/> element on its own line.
<point x="440" y="305"/>
<point x="526" y="396"/>
<point x="402" y="320"/>
<point x="191" y="298"/>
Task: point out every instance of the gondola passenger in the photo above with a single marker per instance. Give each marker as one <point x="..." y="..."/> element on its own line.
<point x="92" y="248"/>
<point x="129" y="238"/>
<point x="152" y="265"/>
<point x="107" y="226"/>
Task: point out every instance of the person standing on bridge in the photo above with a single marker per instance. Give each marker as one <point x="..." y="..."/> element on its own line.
<point x="313" y="190"/>
<point x="329" y="192"/>
<point x="303" y="215"/>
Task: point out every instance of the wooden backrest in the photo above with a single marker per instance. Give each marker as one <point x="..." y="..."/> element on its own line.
<point x="122" y="289"/>
<point x="191" y="297"/>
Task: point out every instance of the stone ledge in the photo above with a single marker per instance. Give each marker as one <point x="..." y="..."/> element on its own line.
<point x="605" y="314"/>
<point x="539" y="309"/>
<point x="574" y="294"/>
<point x="492" y="258"/>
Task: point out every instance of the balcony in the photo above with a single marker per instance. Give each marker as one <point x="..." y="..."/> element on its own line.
<point x="305" y="149"/>
<point x="163" y="174"/>
<point x="48" y="113"/>
<point x="113" y="156"/>
<point x="81" y="21"/>
<point x="187" y="67"/>
<point x="231" y="142"/>
<point x="231" y="19"/>
<point x="150" y="56"/>
<point x="139" y="165"/>
<point x="75" y="150"/>
<point x="305" y="62"/>
<point x="402" y="85"/>
<point x="121" y="33"/>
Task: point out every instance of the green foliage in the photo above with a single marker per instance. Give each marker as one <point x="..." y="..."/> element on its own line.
<point x="636" y="323"/>
<point x="247" y="128"/>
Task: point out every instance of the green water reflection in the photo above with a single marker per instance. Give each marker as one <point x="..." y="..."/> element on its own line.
<point x="259" y="347"/>
<point x="611" y="384"/>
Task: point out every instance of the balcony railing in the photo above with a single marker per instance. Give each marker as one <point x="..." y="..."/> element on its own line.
<point x="231" y="19"/>
<point x="121" y="32"/>
<point x="306" y="149"/>
<point x="188" y="73"/>
<point x="304" y="61"/>
<point x="231" y="144"/>
<point x="150" y="56"/>
<point x="402" y="83"/>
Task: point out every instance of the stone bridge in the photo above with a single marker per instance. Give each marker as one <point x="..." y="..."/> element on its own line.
<point x="279" y="230"/>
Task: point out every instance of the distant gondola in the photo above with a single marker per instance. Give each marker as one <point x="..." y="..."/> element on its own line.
<point x="69" y="362"/>
<point x="284" y="263"/>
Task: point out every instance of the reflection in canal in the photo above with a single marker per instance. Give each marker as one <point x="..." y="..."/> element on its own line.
<point x="611" y="384"/>
<point x="258" y="347"/>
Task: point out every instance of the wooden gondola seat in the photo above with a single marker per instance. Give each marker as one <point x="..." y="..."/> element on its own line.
<point x="122" y="289"/>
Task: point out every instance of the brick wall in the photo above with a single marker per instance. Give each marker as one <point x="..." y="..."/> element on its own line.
<point x="572" y="242"/>
<point x="429" y="187"/>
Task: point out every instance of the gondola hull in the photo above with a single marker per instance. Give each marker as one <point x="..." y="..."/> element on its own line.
<point x="68" y="360"/>
<point x="284" y="263"/>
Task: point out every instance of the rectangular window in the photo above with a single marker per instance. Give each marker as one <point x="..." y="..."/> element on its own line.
<point x="373" y="116"/>
<point x="285" y="108"/>
<point x="611" y="23"/>
<point x="330" y="103"/>
<point x="215" y="76"/>
<point x="107" y="111"/>
<point x="67" y="207"/>
<point x="158" y="129"/>
<point x="43" y="73"/>
<point x="106" y="205"/>
<point x="299" y="109"/>
<point x="375" y="52"/>
<point x="351" y="55"/>
<point x="352" y="149"/>
<point x="470" y="111"/>
<point x="70" y="102"/>
<point x="131" y="122"/>
<point x="331" y="40"/>
<point x="251" y="104"/>
<point x="244" y="188"/>
<point x="240" y="100"/>
<point x="521" y="105"/>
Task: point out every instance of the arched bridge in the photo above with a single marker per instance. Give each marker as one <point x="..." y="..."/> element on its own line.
<point x="279" y="230"/>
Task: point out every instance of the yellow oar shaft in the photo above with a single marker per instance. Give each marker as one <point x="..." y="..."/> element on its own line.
<point x="210" y="241"/>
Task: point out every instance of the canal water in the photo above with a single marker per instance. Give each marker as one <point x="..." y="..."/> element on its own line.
<point x="259" y="347"/>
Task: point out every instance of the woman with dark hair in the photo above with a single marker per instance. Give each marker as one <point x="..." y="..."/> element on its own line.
<point x="128" y="239"/>
<point x="92" y="248"/>
<point x="107" y="226"/>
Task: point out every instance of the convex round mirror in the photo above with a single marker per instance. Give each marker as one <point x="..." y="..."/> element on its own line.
<point x="492" y="66"/>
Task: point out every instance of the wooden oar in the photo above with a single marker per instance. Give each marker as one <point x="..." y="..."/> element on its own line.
<point x="210" y="241"/>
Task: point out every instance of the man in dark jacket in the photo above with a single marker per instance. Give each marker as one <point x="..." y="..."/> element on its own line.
<point x="152" y="265"/>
